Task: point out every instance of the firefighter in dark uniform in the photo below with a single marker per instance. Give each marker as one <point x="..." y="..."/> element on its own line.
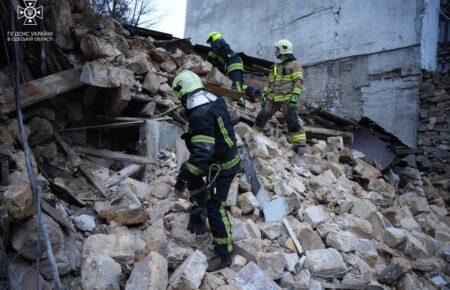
<point x="214" y="157"/>
<point x="222" y="56"/>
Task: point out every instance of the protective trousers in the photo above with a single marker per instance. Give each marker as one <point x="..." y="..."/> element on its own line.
<point x="296" y="132"/>
<point x="237" y="77"/>
<point x="217" y="216"/>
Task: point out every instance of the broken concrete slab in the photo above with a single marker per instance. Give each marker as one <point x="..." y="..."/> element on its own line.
<point x="316" y="215"/>
<point x="99" y="271"/>
<point x="252" y="278"/>
<point x="325" y="262"/>
<point x="149" y="273"/>
<point x="189" y="275"/>
<point x="106" y="75"/>
<point x="343" y="241"/>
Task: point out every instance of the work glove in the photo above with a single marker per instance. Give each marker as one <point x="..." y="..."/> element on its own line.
<point x="292" y="105"/>
<point x="197" y="218"/>
<point x="241" y="102"/>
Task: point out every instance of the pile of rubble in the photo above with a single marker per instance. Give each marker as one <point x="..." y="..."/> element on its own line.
<point x="107" y="151"/>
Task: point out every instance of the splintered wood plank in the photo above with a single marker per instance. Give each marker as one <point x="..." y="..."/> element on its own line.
<point x="113" y="155"/>
<point x="224" y="92"/>
<point x="44" y="88"/>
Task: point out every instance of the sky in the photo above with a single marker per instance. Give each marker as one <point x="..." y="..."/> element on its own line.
<point x="175" y="15"/>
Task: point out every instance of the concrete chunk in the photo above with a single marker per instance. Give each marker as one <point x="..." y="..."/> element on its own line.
<point x="343" y="241"/>
<point x="149" y="273"/>
<point x="325" y="262"/>
<point x="316" y="215"/>
<point x="100" y="272"/>
<point x="189" y="275"/>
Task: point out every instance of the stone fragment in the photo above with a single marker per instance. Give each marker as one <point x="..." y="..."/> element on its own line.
<point x="414" y="247"/>
<point x="84" y="222"/>
<point x="412" y="282"/>
<point x="105" y="75"/>
<point x="41" y="131"/>
<point x="138" y="63"/>
<point x="316" y="215"/>
<point x="269" y="258"/>
<point x="335" y="142"/>
<point x="303" y="280"/>
<point x="366" y="171"/>
<point x="124" y="216"/>
<point x="176" y="254"/>
<point x="94" y="47"/>
<point x="178" y="56"/>
<point x="309" y="239"/>
<point x="153" y="81"/>
<point x="325" y="228"/>
<point x="168" y="66"/>
<point x="360" y="227"/>
<point x="343" y="241"/>
<point x="247" y="202"/>
<point x="100" y="272"/>
<point x="217" y="78"/>
<point x="120" y="246"/>
<point x="429" y="265"/>
<point x="324" y="180"/>
<point x="325" y="262"/>
<point x="409" y="223"/>
<point x="160" y="190"/>
<point x="362" y="208"/>
<point x="149" y="273"/>
<point x="382" y="187"/>
<point x="155" y="237"/>
<point x="177" y="224"/>
<point x="368" y="252"/>
<point x="252" y="277"/>
<point x="157" y="56"/>
<point x="196" y="64"/>
<point x="296" y="184"/>
<point x="440" y="210"/>
<point x="418" y="205"/>
<point x="247" y="229"/>
<point x="346" y="155"/>
<point x="391" y="274"/>
<point x="292" y="261"/>
<point x="62" y="23"/>
<point x="242" y="129"/>
<point x="189" y="274"/>
<point x="271" y="230"/>
<point x="238" y="262"/>
<point x="24" y="237"/>
<point x="212" y="281"/>
<point x="393" y="237"/>
<point x="18" y="200"/>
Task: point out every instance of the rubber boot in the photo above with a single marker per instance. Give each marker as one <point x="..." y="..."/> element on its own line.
<point x="219" y="262"/>
<point x="299" y="149"/>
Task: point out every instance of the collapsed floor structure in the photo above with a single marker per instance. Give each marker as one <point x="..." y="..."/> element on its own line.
<point x="104" y="129"/>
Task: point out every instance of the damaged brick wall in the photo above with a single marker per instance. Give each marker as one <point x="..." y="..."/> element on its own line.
<point x="434" y="128"/>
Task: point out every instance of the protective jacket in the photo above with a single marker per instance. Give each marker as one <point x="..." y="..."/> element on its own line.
<point x="285" y="81"/>
<point x="224" y="57"/>
<point x="210" y="140"/>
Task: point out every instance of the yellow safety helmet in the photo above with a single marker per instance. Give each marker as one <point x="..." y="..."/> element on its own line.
<point x="186" y="82"/>
<point x="213" y="36"/>
<point x="284" y="46"/>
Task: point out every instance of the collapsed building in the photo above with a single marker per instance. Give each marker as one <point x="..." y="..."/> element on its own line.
<point x="104" y="128"/>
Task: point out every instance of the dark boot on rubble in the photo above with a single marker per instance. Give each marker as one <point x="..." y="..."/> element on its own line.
<point x="219" y="262"/>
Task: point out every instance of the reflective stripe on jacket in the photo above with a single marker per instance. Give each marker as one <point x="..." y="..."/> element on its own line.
<point x="223" y="56"/>
<point x="210" y="140"/>
<point x="285" y="79"/>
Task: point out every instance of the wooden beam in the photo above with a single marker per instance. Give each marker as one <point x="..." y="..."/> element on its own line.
<point x="122" y="174"/>
<point x="223" y="92"/>
<point x="323" y="133"/>
<point x="44" y="88"/>
<point x="148" y="145"/>
<point x="113" y="155"/>
<point x="106" y="126"/>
